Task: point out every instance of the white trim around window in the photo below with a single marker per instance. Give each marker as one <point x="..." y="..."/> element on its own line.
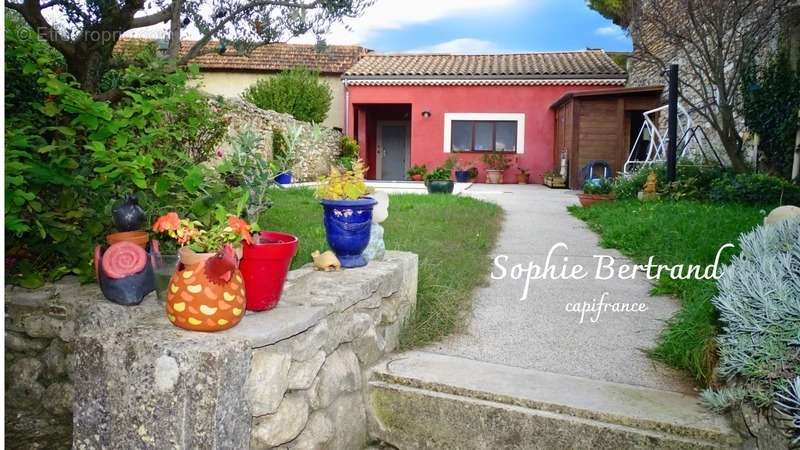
<point x="511" y="117"/>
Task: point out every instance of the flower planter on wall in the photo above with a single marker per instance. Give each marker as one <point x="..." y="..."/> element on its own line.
<point x="439" y="186"/>
<point x="494" y="176"/>
<point x="463" y="176"/>
<point x="264" y="266"/>
<point x="284" y="178"/>
<point x="347" y="228"/>
<point x="196" y="303"/>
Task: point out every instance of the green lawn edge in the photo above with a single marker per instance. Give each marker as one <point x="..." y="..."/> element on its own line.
<point x="682" y="232"/>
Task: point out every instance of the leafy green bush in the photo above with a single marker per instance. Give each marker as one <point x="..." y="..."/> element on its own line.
<point x="770" y="99"/>
<point x="299" y="92"/>
<point x="759" y="308"/>
<point x="349" y="152"/>
<point x="754" y="189"/>
<point x="598" y="186"/>
<point x="246" y="166"/>
<point x="69" y="157"/>
<point x="693" y="181"/>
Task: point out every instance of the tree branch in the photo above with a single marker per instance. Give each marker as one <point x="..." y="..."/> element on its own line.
<point x="31" y="11"/>
<point x="152" y="19"/>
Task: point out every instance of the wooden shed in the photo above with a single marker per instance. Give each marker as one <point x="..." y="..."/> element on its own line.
<point x="600" y="125"/>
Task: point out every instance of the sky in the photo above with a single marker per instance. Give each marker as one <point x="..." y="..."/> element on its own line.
<point x="479" y="26"/>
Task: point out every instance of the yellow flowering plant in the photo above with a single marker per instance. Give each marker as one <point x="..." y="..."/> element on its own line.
<point x="342" y="184"/>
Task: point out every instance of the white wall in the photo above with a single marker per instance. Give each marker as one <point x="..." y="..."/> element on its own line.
<point x="232" y="84"/>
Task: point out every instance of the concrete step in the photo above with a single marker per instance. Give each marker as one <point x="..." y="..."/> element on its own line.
<point x="421" y="400"/>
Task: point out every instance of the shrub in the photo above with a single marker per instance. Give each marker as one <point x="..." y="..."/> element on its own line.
<point x="349" y="152"/>
<point x="249" y="168"/>
<point x="299" y="92"/>
<point x="69" y="158"/>
<point x="597" y="186"/>
<point x="693" y="181"/>
<point x="754" y="189"/>
<point x="759" y="307"/>
<point x="418" y="169"/>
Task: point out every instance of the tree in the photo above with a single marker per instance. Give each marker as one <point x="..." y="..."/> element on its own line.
<point x="298" y="92"/>
<point x="86" y="31"/>
<point x="613" y="10"/>
<point x="715" y="42"/>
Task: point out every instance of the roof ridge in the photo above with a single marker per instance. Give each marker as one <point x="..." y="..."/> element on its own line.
<point x="546" y="52"/>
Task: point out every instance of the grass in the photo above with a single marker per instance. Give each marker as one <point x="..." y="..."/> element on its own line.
<point x="452" y="236"/>
<point x="685" y="232"/>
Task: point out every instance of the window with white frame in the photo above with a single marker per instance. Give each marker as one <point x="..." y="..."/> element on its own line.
<point x="484" y="132"/>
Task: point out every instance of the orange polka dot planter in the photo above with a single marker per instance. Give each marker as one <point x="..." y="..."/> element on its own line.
<point x="198" y="304"/>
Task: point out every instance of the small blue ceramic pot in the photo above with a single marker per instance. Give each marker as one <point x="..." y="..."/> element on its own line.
<point x="284" y="178"/>
<point x="347" y="226"/>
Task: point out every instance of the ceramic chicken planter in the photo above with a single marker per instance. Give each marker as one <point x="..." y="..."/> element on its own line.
<point x="124" y="273"/>
<point x="207" y="292"/>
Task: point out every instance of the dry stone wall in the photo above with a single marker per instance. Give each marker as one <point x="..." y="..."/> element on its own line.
<point x="315" y="152"/>
<point x="292" y="377"/>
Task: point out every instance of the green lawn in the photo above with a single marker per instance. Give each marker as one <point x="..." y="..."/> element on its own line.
<point x="684" y="232"/>
<point x="452" y="236"/>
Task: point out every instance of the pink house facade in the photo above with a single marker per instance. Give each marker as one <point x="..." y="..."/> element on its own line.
<point x="411" y="109"/>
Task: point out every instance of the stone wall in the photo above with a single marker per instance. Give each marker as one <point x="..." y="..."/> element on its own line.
<point x="292" y="377"/>
<point x="315" y="153"/>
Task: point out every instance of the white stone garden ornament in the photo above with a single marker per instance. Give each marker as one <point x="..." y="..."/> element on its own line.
<point x="781" y="213"/>
<point x="380" y="212"/>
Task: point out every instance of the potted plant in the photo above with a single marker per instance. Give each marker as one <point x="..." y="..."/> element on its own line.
<point x="554" y="179"/>
<point x="595" y="190"/>
<point x="283" y="153"/>
<point x="496" y="164"/>
<point x="439" y="182"/>
<point x="206" y="292"/>
<point x="522" y="175"/>
<point x="417" y="172"/>
<point x="265" y="263"/>
<point x="347" y="213"/>
<point x="465" y="172"/>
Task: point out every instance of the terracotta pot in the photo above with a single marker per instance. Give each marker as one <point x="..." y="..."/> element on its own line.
<point x="416" y="177"/>
<point x="522" y="178"/>
<point x="197" y="304"/>
<point x="494" y="176"/>
<point x="137" y="237"/>
<point x="588" y="200"/>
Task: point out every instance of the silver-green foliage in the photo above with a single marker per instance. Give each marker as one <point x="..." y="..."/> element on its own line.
<point x="250" y="167"/>
<point x="759" y="306"/>
<point x="788" y="406"/>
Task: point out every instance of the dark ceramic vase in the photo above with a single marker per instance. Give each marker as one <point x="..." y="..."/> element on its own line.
<point x="347" y="228"/>
<point x="128" y="216"/>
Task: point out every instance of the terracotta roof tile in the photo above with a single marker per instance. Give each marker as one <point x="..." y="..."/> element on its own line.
<point x="577" y="64"/>
<point x="333" y="59"/>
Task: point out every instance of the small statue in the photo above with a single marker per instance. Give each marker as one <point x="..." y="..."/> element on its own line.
<point x="376" y="249"/>
<point x="128" y="216"/>
<point x="326" y="261"/>
<point x="650" y="184"/>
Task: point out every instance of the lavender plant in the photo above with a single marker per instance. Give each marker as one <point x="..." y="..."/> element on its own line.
<point x="759" y="306"/>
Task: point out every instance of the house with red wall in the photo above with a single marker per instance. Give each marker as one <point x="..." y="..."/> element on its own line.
<point x="408" y="109"/>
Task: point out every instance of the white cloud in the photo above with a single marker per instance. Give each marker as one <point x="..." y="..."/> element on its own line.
<point x="398" y="14"/>
<point x="461" y="45"/>
<point x="610" y="31"/>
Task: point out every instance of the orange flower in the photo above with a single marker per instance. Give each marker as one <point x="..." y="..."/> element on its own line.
<point x="168" y="222"/>
<point x="240" y="227"/>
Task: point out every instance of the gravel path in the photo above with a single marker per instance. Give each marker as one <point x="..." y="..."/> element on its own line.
<point x="538" y="332"/>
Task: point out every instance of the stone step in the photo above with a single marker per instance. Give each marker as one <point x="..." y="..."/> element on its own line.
<point x="427" y="400"/>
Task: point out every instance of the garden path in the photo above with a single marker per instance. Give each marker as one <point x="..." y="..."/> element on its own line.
<point x="539" y="333"/>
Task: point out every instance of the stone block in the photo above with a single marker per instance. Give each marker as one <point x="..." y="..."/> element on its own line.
<point x="302" y="373"/>
<point x="340" y="373"/>
<point x="58" y="398"/>
<point x="281" y="427"/>
<point x="55" y="358"/>
<point x="268" y="381"/>
<point x="349" y="422"/>
<point x="369" y="348"/>
<point x="18" y="342"/>
<point x="318" y="431"/>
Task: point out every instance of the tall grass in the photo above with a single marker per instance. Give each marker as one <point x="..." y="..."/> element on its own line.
<point x="684" y="232"/>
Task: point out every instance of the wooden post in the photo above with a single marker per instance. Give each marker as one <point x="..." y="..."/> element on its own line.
<point x="672" y="123"/>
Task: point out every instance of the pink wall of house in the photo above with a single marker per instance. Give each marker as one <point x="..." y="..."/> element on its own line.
<point x="427" y="134"/>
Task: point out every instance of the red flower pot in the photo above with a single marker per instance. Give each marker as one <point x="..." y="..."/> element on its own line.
<point x="264" y="266"/>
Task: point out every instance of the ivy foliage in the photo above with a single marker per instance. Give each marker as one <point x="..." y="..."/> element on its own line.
<point x="614" y="10"/>
<point x="69" y="157"/>
<point x="298" y="91"/>
<point x="759" y="308"/>
<point x="770" y="101"/>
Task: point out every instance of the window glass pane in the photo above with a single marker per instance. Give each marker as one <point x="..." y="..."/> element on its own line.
<point x="483" y="135"/>
<point x="461" y="135"/>
<point x="506" y="136"/>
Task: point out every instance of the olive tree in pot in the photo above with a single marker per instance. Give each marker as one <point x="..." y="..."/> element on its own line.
<point x="347" y="213"/>
<point x="596" y="190"/>
<point x="496" y="164"/>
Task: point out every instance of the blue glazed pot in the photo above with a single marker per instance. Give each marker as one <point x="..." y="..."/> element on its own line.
<point x="284" y="178"/>
<point x="462" y="176"/>
<point x="347" y="226"/>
